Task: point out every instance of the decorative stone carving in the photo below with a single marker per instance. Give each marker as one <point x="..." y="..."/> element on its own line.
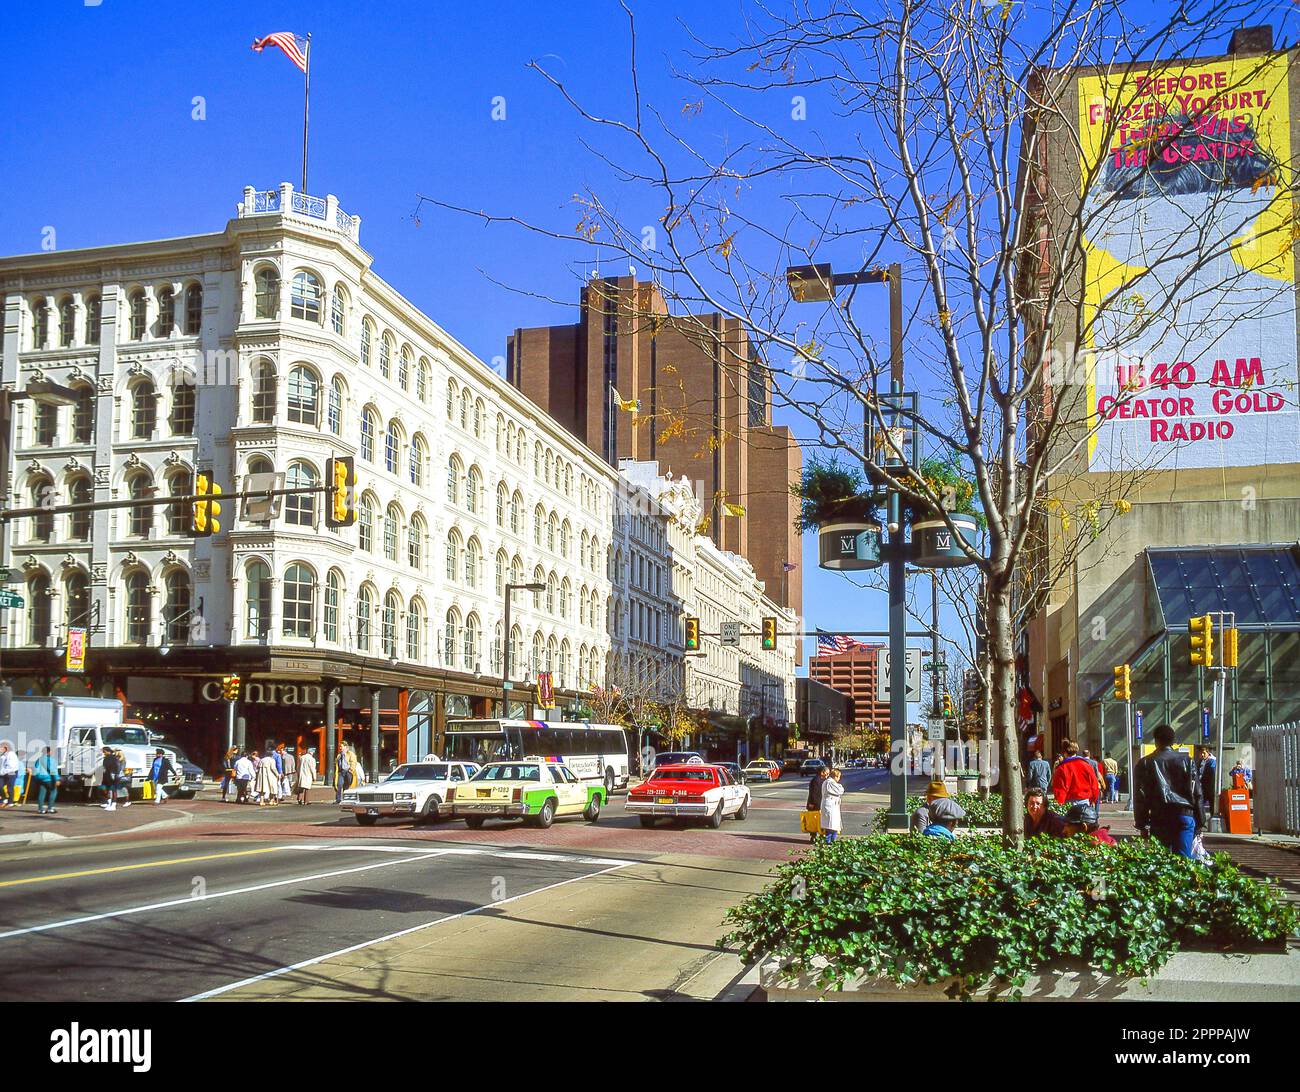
<point x="105" y="384"/>
<point x="202" y="570"/>
<point x="171" y="558"/>
<point x="72" y="464"/>
<point x="133" y="461"/>
<point x="98" y="573"/>
<point x="173" y="459"/>
<point x="101" y="476"/>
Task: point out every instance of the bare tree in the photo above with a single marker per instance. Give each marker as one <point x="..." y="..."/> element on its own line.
<point x="954" y="138"/>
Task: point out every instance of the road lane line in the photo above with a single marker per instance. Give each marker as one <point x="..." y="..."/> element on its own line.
<point x="281" y="971"/>
<point x="144" y="864"/>
<point x="191" y="900"/>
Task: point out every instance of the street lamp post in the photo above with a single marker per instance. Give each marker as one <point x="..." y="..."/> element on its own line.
<point x="505" y="637"/>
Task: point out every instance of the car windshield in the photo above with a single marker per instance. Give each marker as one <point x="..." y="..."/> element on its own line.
<point x="137" y="737"/>
<point x="418" y="771"/>
<point x="757" y="766"/>
<point x="675" y="757"/>
<point x="499" y="771"/>
<point x="701" y="774"/>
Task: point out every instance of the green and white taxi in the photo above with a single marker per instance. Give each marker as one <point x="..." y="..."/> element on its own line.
<point x="537" y="790"/>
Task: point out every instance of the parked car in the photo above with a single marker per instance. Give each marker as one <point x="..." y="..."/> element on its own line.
<point x="536" y="790"/>
<point x="762" y="769"/>
<point x="689" y="790"/>
<point x="733" y="768"/>
<point x="674" y="758"/>
<point x="811" y="767"/>
<point x="413" y="790"/>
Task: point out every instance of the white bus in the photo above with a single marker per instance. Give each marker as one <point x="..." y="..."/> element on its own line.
<point x="594" y="752"/>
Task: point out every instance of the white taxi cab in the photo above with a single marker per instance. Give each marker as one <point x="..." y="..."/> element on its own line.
<point x="413" y="790"/>
<point x="538" y="790"/>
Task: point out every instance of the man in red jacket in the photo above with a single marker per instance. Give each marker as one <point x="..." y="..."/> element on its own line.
<point x="1075" y="779"/>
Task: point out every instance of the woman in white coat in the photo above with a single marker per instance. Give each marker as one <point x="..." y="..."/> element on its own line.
<point x="305" y="776"/>
<point x="832" y="790"/>
<point x="268" y="781"/>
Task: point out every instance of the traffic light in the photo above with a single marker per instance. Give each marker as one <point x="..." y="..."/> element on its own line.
<point x="1201" y="634"/>
<point x="769" y="634"/>
<point x="1123" y="683"/>
<point x="230" y="687"/>
<point x="207" y="508"/>
<point x="341" y="474"/>
<point x="947" y="704"/>
<point x="1230" y="647"/>
<point x="692" y="635"/>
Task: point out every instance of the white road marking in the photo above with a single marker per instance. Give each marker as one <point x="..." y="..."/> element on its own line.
<point x="416" y="855"/>
<point x="281" y="971"/>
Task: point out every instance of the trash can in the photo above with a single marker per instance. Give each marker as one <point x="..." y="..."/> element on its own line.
<point x="1234" y="807"/>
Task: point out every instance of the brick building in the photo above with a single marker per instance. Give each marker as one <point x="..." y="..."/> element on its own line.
<point x="705" y="412"/>
<point x="854" y="673"/>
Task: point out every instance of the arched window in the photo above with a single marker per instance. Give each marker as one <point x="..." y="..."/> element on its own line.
<point x="473" y="489"/>
<point x="494" y="654"/>
<point x="392" y="523"/>
<point x="389" y="624"/>
<point x="501" y="433"/>
<point x="305" y="297"/>
<point x="566" y="593"/>
<point x="81" y="490"/>
<point x="404" y="368"/>
<point x="392" y="447"/>
<point x="453" y="555"/>
<point x="539" y="524"/>
<point x="45" y="425"/>
<point x="535" y="660"/>
<point x="552" y="593"/>
<point x="338" y="310"/>
<point x="299" y="601"/>
<point x="503" y="502"/>
<point x="369" y="430"/>
<point x="550" y="467"/>
<point x="539" y="578"/>
<point x="263" y="403"/>
<point x="67" y="321"/>
<point x="552" y="653"/>
<point x="193" y="309"/>
<point x="466" y="408"/>
<point x="566" y="539"/>
<point x="335" y="410"/>
<point x="453" y="480"/>
<point x="179" y="484"/>
<point x="415" y="631"/>
<point x="333" y="595"/>
<point x="365" y="614"/>
<point x="423" y="377"/>
<point x="516" y="651"/>
<point x="76" y="599"/>
<point x="144" y="410"/>
<point x="566" y="656"/>
<point x="38" y="609"/>
<point x="552" y="532"/>
<point x="568" y="480"/>
<point x="478" y="418"/>
<point x="266" y="293"/>
<point x="94" y="314"/>
<point x="537" y="459"/>
<point x="40" y="324"/>
<point x="385" y="355"/>
<point x="469" y="645"/>
<point x="139" y="607"/>
<point x="449" y="638"/>
<point x="472" y="554"/>
<point x="415" y="534"/>
<point x="366" y="524"/>
<point x="181" y="420"/>
<point x="178" y="618"/>
<point x="304" y="397"/>
<point x="582" y="550"/>
<point x="502" y="562"/>
<point x="140" y="486"/>
<point x="419" y="456"/>
<point x="516" y="570"/>
<point x="451" y="399"/>
<point x="517" y="514"/>
<point x="582" y="606"/>
<point x="300" y="508"/>
<point x="367" y="338"/>
<point x="257" y="603"/>
<point x="166" y="320"/>
<point x="138" y="308"/>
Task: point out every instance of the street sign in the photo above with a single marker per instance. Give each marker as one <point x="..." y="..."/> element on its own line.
<point x="10" y="576"/>
<point x="10" y="599"/>
<point x="731" y="633"/>
<point x="263" y="509"/>
<point x="1137" y="723"/>
<point x="1205" y="724"/>
<point x="934" y="729"/>
<point x="913" y="688"/>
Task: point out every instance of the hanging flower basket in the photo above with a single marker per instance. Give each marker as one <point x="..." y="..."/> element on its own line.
<point x="849" y="545"/>
<point x="934" y="546"/>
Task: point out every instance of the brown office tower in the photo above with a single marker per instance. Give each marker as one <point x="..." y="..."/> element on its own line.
<point x="854" y="673"/>
<point x="705" y="412"/>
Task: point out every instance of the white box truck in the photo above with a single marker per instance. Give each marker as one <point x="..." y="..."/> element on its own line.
<point x="79" y="729"/>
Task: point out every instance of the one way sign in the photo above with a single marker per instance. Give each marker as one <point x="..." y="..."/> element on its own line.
<point x="913" y="675"/>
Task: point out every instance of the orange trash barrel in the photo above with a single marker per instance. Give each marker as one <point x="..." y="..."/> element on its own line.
<point x="1234" y="809"/>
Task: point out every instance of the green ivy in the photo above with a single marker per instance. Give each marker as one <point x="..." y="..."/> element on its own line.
<point x="923" y="910"/>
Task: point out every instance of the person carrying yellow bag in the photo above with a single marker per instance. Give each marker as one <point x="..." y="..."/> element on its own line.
<point x="810" y="822"/>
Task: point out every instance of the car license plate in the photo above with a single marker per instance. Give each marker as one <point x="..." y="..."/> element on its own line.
<point x="665" y="800"/>
<point x="484" y="793"/>
<point x="372" y="811"/>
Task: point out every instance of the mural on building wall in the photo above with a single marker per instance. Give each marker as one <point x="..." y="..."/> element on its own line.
<point x="1190" y="285"/>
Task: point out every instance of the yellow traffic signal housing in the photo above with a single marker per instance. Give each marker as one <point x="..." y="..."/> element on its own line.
<point x="1123" y="683"/>
<point x="692" y="634"/>
<point x="206" y="508"/>
<point x="1201" y="638"/>
<point x="1230" y="648"/>
<point x="341" y="476"/>
<point x="769" y="633"/>
<point x="230" y="687"/>
<point x="947" y="704"/>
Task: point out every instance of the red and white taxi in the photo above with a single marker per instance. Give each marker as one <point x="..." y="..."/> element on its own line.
<point x="762" y="769"/>
<point x="689" y="791"/>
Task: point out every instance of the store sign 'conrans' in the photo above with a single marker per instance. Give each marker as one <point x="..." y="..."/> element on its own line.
<point x="269" y="693"/>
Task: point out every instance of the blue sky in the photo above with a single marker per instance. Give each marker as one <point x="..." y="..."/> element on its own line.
<point x="100" y="144"/>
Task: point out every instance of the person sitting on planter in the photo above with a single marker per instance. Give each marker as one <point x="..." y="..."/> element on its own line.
<point x="944" y="814"/>
<point x="1075" y="780"/>
<point x="922" y="817"/>
<point x="1039" y="818"/>
<point x="1082" y="819"/>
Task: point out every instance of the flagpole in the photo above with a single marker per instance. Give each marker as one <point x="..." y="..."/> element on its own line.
<point x="306" y="100"/>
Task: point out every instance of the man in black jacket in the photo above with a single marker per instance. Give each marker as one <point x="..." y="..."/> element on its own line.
<point x="1167" y="796"/>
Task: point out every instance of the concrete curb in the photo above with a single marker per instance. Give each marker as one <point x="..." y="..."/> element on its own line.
<point x="744" y="985"/>
<point x="45" y="837"/>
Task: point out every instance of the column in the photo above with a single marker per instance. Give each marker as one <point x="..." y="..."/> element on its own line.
<point x="374" y="733"/>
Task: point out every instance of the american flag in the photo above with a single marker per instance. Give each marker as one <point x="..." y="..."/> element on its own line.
<point x="294" y="48"/>
<point x="828" y="644"/>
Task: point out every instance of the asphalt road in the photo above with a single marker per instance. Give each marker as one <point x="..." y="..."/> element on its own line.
<point x="271" y="900"/>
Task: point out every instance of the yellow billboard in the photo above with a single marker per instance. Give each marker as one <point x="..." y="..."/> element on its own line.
<point x="1189" y="284"/>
